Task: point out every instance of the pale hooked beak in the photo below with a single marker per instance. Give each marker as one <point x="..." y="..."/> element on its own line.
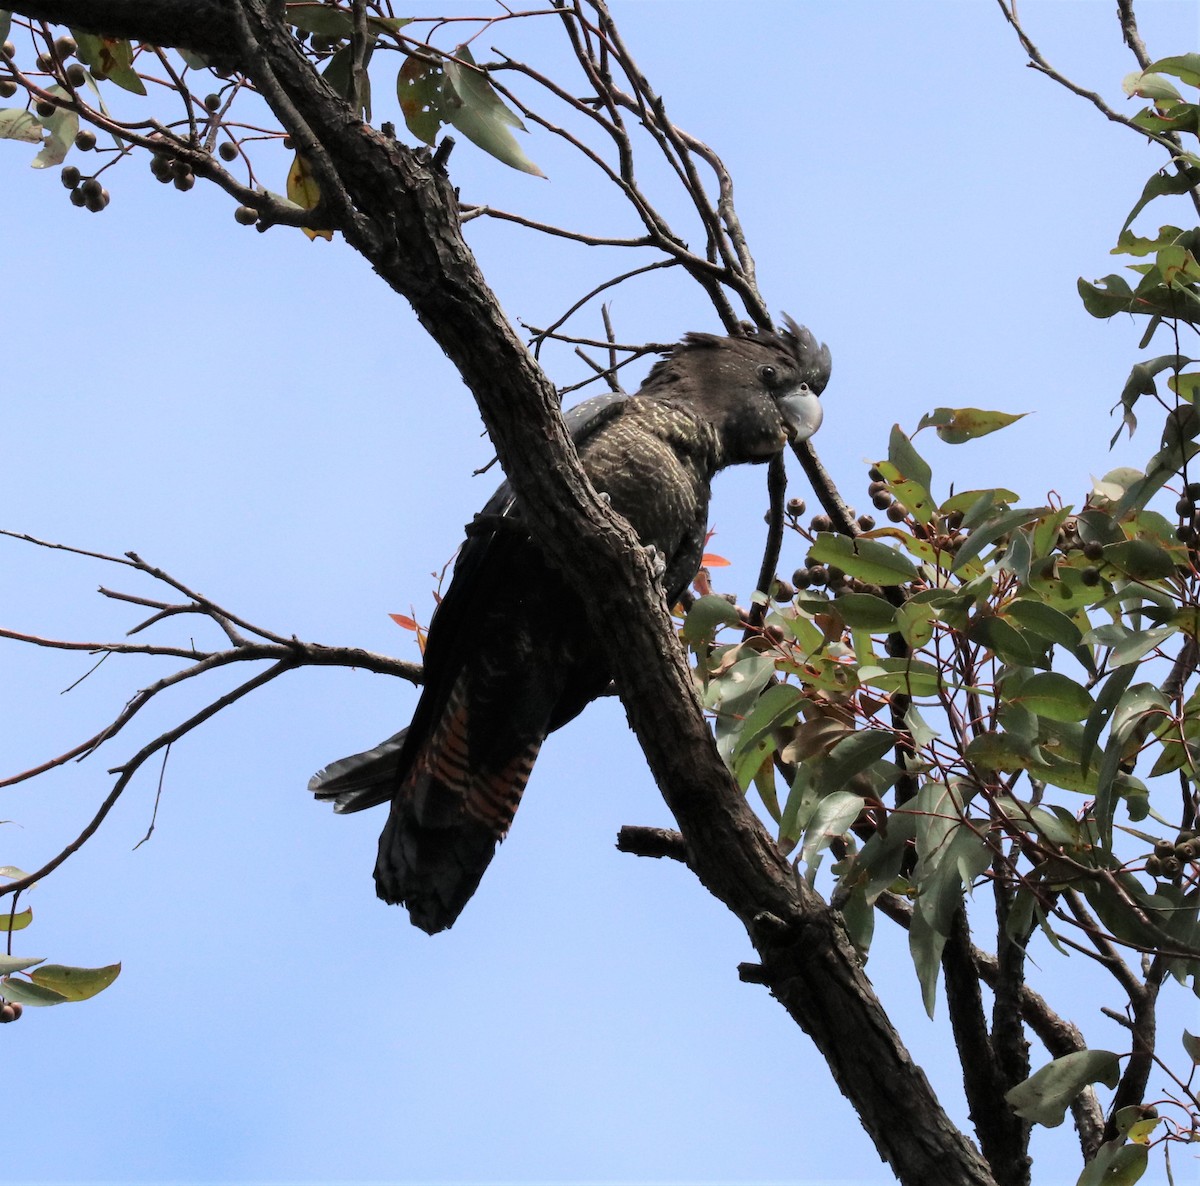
<point x="802" y="412"/>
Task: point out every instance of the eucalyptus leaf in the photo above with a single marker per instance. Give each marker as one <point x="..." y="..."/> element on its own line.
<point x="478" y="112"/>
<point x="27" y="993"/>
<point x="18" y="124"/>
<point x="75" y="984"/>
<point x="1044" y="1097"/>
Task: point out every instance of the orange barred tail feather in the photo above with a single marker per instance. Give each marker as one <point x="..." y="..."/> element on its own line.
<point x="450" y="813"/>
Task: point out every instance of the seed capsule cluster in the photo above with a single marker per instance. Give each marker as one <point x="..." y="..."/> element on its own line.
<point x="1168" y="860"/>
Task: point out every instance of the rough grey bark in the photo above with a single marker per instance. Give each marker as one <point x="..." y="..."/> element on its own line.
<point x="399" y="212"/>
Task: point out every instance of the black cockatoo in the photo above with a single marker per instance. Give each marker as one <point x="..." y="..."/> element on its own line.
<point x="510" y="656"/>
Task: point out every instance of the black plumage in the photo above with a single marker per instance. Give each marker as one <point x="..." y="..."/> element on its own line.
<point x="510" y="657"/>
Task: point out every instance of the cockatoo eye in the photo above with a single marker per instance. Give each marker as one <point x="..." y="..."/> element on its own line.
<point x="768" y="375"/>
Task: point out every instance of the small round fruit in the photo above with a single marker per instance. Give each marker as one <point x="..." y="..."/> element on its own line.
<point x="17" y="1009"/>
<point x="246" y="215"/>
<point x="1089" y="575"/>
<point x="7" y="1013"/>
<point x="77" y="198"/>
<point x="1185" y="508"/>
<point x="184" y="181"/>
<point x="85" y="140"/>
<point x="65" y="47"/>
<point x="882" y="500"/>
<point x="783" y="592"/>
<point x="1154" y="866"/>
<point x="95" y="203"/>
<point x="70" y="176"/>
<point x="228" y="150"/>
<point x="1093" y="550"/>
<point x="1163" y="849"/>
<point x="821" y="523"/>
<point x="897" y="512"/>
<point x="875" y="474"/>
<point x="8" y="88"/>
<point x="76" y="74"/>
<point x="91" y="187"/>
<point x="801" y="578"/>
<point x="8" y="50"/>
<point x="866" y="522"/>
<point x="795" y="507"/>
<point x="212" y="102"/>
<point x="44" y="61"/>
<point x="44" y="109"/>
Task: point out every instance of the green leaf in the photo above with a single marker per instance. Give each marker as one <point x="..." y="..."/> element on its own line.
<point x="1044" y="1097"/>
<point x="775" y="707"/>
<point x="801" y="802"/>
<point x="477" y="111"/>
<point x="867" y="559"/>
<point x="18" y="124"/>
<point x="1145" y="84"/>
<point x="1141" y="382"/>
<point x="1191" y="1045"/>
<point x="707" y="613"/>
<point x="75" y="984"/>
<point x="956" y="425"/>
<point x="339" y="73"/>
<point x="1141" y="642"/>
<point x="1137" y="703"/>
<point x="190" y="58"/>
<point x="5" y="23"/>
<point x="1005" y="641"/>
<point x="1185" y="67"/>
<point x="911" y="465"/>
<point x="14" y="963"/>
<point x="1107" y="297"/>
<point x="925" y="945"/>
<point x="111" y="58"/>
<point x="833" y="817"/>
<point x="911" y="676"/>
<point x="421" y="89"/>
<point x="1055" y="696"/>
<point x="966" y="499"/>
<point x="1108" y="699"/>
<point x="29" y="993"/>
<point x="732" y="696"/>
<point x="62" y="126"/>
<point x="914" y="620"/>
<point x="1115" y="1165"/>
<point x="312" y="18"/>
<point x="853" y="755"/>
<point x="12" y="873"/>
<point x="1045" y="621"/>
<point x="1140" y="559"/>
<point x="16" y="922"/>
<point x="865" y="611"/>
<point x="991" y="529"/>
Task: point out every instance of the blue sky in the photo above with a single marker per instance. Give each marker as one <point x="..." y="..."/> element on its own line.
<point x="262" y="418"/>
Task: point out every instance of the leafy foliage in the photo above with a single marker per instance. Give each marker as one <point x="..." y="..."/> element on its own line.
<point x="990" y="694"/>
<point x="26" y="981"/>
